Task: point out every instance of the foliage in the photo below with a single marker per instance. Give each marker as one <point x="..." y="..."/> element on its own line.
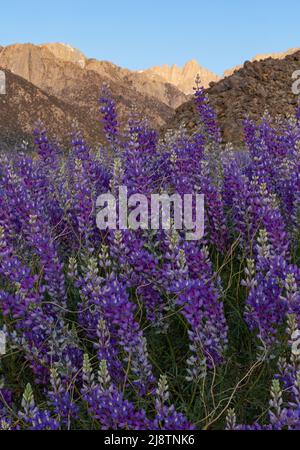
<point x="141" y="329"/>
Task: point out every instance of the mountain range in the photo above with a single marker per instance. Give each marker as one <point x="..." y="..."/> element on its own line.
<point x="64" y="74"/>
<point x="183" y="78"/>
<point x="60" y="86"/>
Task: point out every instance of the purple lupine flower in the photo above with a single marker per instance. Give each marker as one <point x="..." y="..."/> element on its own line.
<point x="167" y="418"/>
<point x="204" y="312"/>
<point x="110" y="121"/>
<point x="33" y="417"/>
<point x="273" y="292"/>
<point x="206" y="113"/>
<point x="107" y="404"/>
<point x="139" y="157"/>
<point x="215" y="220"/>
<point x="108" y="300"/>
<point x="60" y="398"/>
<point x="36" y="324"/>
<point x="46" y="150"/>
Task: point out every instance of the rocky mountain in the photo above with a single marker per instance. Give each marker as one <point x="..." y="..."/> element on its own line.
<point x="183" y="78"/>
<point x="66" y="73"/>
<point x="66" y="76"/>
<point x="158" y="88"/>
<point x="25" y="104"/>
<point x="278" y="55"/>
<point x="258" y="86"/>
<point x="66" y="53"/>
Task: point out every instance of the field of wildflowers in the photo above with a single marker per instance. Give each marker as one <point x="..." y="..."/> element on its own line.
<point x="123" y="329"/>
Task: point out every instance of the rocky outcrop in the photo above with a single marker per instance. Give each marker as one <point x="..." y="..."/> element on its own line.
<point x="278" y="55"/>
<point x="257" y="87"/>
<point x="183" y="78"/>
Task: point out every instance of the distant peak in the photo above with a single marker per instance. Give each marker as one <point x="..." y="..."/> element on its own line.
<point x="66" y="53"/>
<point x="62" y="45"/>
<point x="184" y="78"/>
<point x="192" y="63"/>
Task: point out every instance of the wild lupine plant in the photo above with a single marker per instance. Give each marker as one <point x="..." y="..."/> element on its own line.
<point x="142" y="329"/>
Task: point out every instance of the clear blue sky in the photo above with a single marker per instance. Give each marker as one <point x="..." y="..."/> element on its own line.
<point x="138" y="34"/>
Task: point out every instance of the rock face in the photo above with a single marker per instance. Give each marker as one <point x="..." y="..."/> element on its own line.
<point x="64" y="79"/>
<point x="155" y="87"/>
<point x="64" y="72"/>
<point x="66" y="53"/>
<point x="257" y="87"/>
<point x="24" y="104"/>
<point x="183" y="78"/>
